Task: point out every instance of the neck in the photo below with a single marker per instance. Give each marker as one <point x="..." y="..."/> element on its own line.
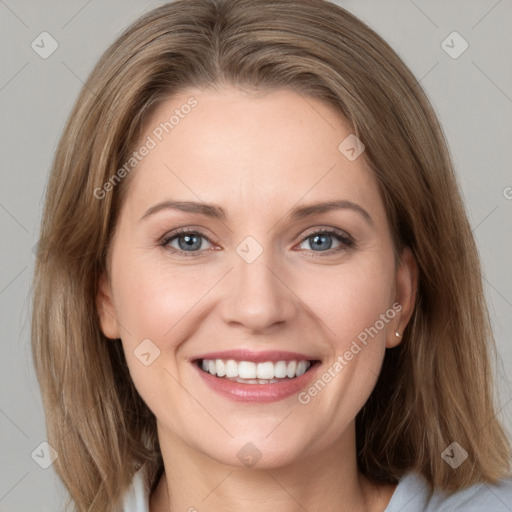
<point x="195" y="482"/>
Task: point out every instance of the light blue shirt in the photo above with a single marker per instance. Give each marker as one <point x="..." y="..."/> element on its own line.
<point x="411" y="495"/>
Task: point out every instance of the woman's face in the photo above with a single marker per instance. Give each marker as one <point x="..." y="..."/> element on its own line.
<point x="251" y="283"/>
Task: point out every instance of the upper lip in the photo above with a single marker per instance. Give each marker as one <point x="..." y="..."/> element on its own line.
<point x="256" y="357"/>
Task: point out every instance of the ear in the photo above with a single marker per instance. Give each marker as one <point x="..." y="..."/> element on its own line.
<point x="406" y="289"/>
<point x="106" y="311"/>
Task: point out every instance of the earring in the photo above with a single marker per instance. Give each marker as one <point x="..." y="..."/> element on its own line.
<point x="397" y="334"/>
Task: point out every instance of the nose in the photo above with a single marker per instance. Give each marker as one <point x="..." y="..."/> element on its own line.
<point x="257" y="296"/>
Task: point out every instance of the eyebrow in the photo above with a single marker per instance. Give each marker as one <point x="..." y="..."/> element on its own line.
<point x="216" y="212"/>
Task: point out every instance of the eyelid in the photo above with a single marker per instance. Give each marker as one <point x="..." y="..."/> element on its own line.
<point x="184" y="231"/>
<point x="329" y="230"/>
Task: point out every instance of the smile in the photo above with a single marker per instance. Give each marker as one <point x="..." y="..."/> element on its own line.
<point x="247" y="376"/>
<point x="249" y="372"/>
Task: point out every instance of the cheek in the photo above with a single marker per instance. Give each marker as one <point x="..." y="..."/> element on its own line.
<point x="352" y="312"/>
<point x="351" y="299"/>
<point x="152" y="299"/>
<point x="156" y="306"/>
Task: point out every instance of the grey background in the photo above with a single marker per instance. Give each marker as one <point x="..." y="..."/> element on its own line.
<point x="472" y="95"/>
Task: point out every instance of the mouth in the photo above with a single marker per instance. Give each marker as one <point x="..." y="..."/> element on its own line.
<point x="247" y="376"/>
<point x="250" y="372"/>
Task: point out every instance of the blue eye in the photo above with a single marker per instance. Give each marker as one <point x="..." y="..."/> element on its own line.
<point x="188" y="241"/>
<point x="322" y="241"/>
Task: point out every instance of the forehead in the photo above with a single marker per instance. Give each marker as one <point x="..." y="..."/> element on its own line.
<point x="234" y="147"/>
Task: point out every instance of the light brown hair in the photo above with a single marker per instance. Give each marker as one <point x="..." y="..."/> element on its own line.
<point x="436" y="387"/>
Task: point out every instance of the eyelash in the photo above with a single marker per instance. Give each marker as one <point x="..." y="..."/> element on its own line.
<point x="346" y="241"/>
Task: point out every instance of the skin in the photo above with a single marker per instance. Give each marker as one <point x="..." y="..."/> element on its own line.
<point x="257" y="155"/>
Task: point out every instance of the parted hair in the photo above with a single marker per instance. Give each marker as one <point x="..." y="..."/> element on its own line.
<point x="436" y="387"/>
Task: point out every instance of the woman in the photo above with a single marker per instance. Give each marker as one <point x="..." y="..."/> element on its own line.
<point x="258" y="287"/>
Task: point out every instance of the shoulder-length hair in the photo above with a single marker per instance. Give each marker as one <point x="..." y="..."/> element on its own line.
<point x="435" y="388"/>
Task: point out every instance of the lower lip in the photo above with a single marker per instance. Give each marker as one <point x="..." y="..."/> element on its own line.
<point x="261" y="393"/>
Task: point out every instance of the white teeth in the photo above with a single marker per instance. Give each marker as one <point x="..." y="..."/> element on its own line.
<point x="249" y="372"/>
<point x="246" y="370"/>
<point x="231" y="369"/>
<point x="280" y="370"/>
<point x="290" y="370"/>
<point x="265" y="370"/>
<point x="220" y="367"/>
<point x="302" y="366"/>
<point x="254" y="381"/>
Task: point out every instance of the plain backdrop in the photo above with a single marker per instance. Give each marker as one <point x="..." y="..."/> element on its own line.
<point x="471" y="92"/>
